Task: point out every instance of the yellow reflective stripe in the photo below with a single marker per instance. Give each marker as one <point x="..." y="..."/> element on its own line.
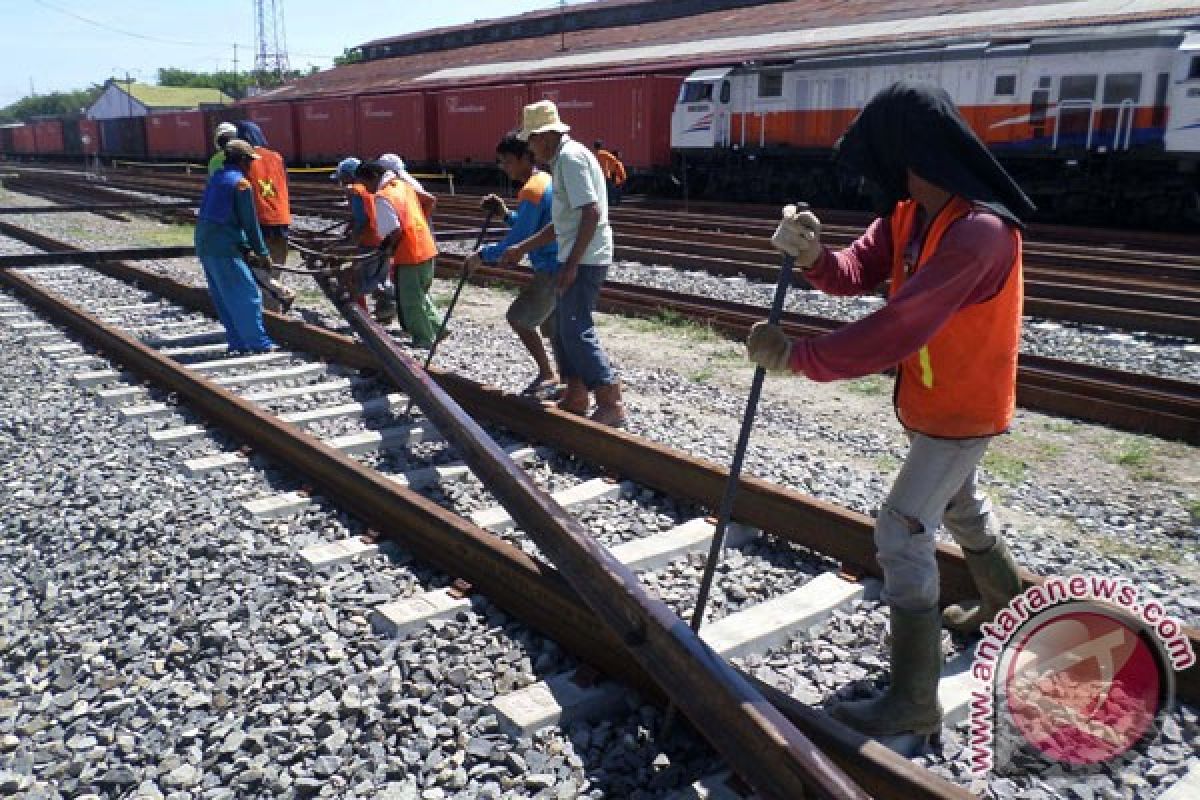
<point x="926" y="368"/>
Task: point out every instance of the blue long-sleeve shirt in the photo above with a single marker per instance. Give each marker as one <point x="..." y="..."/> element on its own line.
<point x="227" y="222"/>
<point x="533" y="213"/>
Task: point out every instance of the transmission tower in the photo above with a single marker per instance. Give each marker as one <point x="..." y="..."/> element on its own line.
<point x="270" y="37"/>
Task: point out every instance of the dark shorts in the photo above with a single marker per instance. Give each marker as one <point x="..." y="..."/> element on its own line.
<point x="535" y="303"/>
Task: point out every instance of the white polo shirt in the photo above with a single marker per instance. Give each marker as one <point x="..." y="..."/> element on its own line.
<point x="579" y="181"/>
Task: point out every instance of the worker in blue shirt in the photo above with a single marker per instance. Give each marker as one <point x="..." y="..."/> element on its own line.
<point x="533" y="309"/>
<point x="227" y="237"/>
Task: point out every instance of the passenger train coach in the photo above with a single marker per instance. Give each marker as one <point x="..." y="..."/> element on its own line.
<point x="1089" y="124"/>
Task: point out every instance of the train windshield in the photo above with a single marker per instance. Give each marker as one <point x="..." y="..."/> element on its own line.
<point x="696" y="92"/>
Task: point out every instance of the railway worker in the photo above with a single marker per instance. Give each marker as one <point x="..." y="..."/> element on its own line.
<point x="221" y="136"/>
<point x="949" y="239"/>
<point x="409" y="241"/>
<point x="614" y="172"/>
<point x="396" y="164"/>
<point x="579" y="223"/>
<point x="373" y="274"/>
<point x="227" y="229"/>
<point x="533" y="308"/>
<point x="268" y="176"/>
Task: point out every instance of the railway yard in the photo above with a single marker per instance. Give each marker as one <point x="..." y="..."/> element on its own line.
<point x="210" y="614"/>
<point x="327" y="568"/>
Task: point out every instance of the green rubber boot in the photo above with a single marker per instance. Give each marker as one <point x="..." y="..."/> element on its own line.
<point x="996" y="578"/>
<point x="910" y="704"/>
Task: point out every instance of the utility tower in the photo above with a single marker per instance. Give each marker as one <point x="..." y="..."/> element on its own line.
<point x="270" y="38"/>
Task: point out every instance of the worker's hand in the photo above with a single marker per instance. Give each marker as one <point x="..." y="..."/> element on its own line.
<point x="494" y="204"/>
<point x="566" y="276"/>
<point x="799" y="236"/>
<point x="769" y="347"/>
<point x="512" y="256"/>
<point x="473" y="262"/>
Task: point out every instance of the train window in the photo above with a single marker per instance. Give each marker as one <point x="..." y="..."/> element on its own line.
<point x="725" y="91"/>
<point x="1045" y="82"/>
<point x="1006" y="86"/>
<point x="1122" y="87"/>
<point x="697" y="92"/>
<point x="1077" y="87"/>
<point x="1194" y="69"/>
<point x="770" y="84"/>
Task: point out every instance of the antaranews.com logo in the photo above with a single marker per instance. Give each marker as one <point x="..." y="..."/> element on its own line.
<point x="1076" y="671"/>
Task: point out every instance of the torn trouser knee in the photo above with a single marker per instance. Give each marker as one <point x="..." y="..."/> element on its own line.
<point x="969" y="518"/>
<point x="906" y="552"/>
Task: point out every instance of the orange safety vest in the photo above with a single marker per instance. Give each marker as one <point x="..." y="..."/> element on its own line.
<point x="269" y="177"/>
<point x="368" y="236"/>
<point x="963" y="382"/>
<point x="612" y="168"/>
<point x="416" y="244"/>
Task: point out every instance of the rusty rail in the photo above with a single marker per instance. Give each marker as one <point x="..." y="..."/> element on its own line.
<point x="755" y="738"/>
<point x="529" y="589"/>
<point x="821" y="526"/>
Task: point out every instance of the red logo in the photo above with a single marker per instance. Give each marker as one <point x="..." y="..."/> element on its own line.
<point x="1084" y="684"/>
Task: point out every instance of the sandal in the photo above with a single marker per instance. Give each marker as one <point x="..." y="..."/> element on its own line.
<point x="537" y="387"/>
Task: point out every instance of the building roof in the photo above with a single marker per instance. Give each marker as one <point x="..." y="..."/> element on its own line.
<point x="777" y="30"/>
<point x="173" y="96"/>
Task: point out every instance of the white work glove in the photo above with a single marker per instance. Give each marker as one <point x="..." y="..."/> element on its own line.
<point x="799" y="236"/>
<point x="769" y="347"/>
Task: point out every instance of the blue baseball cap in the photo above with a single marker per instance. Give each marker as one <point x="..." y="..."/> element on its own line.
<point x="345" y="169"/>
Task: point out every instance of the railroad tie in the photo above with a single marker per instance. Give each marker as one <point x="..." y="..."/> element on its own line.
<point x="559" y="700"/>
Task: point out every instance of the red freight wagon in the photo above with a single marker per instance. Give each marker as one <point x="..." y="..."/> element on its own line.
<point x="48" y="137"/>
<point x="471" y="121"/>
<point x="632" y="115"/>
<point x="23" y="141"/>
<point x="275" y="119"/>
<point x="405" y="124"/>
<point x="326" y="129"/>
<point x="176" y="134"/>
<point x="89" y="136"/>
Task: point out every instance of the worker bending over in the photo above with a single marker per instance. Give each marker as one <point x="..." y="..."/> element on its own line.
<point x="408" y="240"/>
<point x="373" y="276"/>
<point x="268" y="176"/>
<point x="614" y="173"/>
<point x="949" y="240"/>
<point x="227" y="234"/>
<point x="533" y="308"/>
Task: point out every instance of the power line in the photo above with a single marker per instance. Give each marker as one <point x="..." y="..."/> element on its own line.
<point x="143" y="36"/>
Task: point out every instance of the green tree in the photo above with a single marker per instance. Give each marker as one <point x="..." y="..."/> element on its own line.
<point x="53" y="104"/>
<point x="350" y="55"/>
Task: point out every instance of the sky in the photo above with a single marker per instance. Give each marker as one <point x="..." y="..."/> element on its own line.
<point x="46" y="41"/>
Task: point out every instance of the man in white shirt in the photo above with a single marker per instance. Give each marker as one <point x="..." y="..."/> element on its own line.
<point x="585" y="246"/>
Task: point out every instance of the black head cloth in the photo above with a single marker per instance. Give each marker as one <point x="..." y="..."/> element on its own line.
<point x="916" y="126"/>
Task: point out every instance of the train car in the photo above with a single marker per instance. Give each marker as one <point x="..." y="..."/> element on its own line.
<point x="23" y="140"/>
<point x="404" y="123"/>
<point x="326" y="129"/>
<point x="471" y="121"/>
<point x="278" y="125"/>
<point x="123" y="138"/>
<point x="48" y="137"/>
<point x="1086" y="123"/>
<point x="7" y="148"/>
<point x="176" y="135"/>
<point x="630" y="114"/>
<point x="81" y="137"/>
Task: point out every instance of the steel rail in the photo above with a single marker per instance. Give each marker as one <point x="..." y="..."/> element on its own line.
<point x="533" y="591"/>
<point x="757" y="741"/>
<point x="1128" y="401"/>
<point x="818" y="525"/>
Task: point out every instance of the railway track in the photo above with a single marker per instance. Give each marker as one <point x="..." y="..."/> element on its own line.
<point x="1122" y="287"/>
<point x="171" y="348"/>
<point x="183" y="362"/>
<point x="1128" y="401"/>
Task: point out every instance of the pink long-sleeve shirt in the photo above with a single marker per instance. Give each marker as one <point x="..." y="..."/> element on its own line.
<point x="970" y="265"/>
